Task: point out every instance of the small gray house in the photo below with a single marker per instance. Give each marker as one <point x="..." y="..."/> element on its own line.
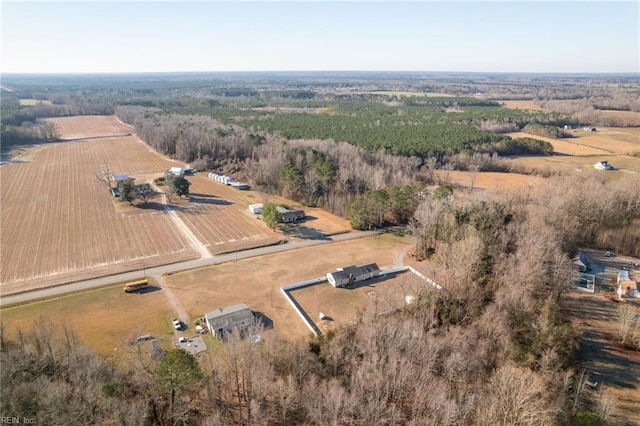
<point x="222" y="321"/>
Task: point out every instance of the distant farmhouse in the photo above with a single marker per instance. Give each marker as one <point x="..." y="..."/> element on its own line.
<point x="177" y="171"/>
<point x="603" y="165"/>
<point x="353" y="274"/>
<point x="223" y="321"/>
<point x="289" y="216"/>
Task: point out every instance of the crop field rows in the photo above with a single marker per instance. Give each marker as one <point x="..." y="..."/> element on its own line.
<point x="59" y="223"/>
<point x="89" y="126"/>
<point x="218" y="215"/>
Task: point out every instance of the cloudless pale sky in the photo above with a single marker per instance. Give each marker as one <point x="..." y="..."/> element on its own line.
<point x="515" y="36"/>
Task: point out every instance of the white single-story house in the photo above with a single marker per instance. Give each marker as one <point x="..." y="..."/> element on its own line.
<point x="223" y="321"/>
<point x="352" y="274"/>
<point x="177" y="171"/>
<point x="603" y="165"/>
<point x="256" y="208"/>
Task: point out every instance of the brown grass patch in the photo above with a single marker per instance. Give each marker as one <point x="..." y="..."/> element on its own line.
<point x="487" y="180"/>
<point x="342" y="305"/>
<point x="567" y="146"/>
<point x="623" y="118"/>
<point x="530" y="105"/>
<point x="33" y="102"/>
<point x="103" y="319"/>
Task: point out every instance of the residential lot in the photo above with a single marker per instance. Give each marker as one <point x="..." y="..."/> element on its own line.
<point x="597" y="317"/>
<point x="257" y="281"/>
<point x="342" y="305"/>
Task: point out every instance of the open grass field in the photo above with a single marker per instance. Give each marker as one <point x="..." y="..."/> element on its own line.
<point x="565" y="146"/>
<point x="530" y="105"/>
<point x="487" y="180"/>
<point x="341" y="305"/>
<point x="59" y="224"/>
<point x="103" y="319"/>
<point x="32" y="102"/>
<point x="618" y="145"/>
<point x="257" y="281"/>
<point x="623" y="118"/>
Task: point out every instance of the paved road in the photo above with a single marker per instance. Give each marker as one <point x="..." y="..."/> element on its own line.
<point x="29" y="296"/>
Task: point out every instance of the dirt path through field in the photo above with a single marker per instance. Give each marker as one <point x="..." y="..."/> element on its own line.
<point x="173" y="301"/>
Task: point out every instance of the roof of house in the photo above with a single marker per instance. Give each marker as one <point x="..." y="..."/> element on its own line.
<point x="120" y="177"/>
<point x="347" y="271"/>
<point x="230" y="316"/>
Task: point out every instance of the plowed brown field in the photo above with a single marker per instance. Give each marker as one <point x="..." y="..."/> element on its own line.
<point x="219" y="217"/>
<point x="59" y="224"/>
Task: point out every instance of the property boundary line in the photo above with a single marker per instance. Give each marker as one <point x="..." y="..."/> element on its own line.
<point x="285" y="290"/>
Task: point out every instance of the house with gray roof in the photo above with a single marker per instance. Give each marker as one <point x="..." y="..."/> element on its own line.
<point x="223" y="321"/>
<point x="352" y="274"/>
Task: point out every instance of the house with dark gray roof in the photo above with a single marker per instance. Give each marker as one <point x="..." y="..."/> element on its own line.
<point x="352" y="274"/>
<point x="223" y="321"/>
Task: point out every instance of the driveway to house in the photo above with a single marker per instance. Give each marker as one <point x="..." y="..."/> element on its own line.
<point x="44" y="293"/>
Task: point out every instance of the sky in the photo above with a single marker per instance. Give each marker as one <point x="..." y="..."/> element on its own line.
<point x="167" y="36"/>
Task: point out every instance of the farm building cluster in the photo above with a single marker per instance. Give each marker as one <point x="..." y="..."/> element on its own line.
<point x="140" y="188"/>
<point x="287" y="215"/>
<point x="228" y="181"/>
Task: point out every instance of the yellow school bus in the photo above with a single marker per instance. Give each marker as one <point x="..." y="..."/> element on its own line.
<point x="136" y="285"/>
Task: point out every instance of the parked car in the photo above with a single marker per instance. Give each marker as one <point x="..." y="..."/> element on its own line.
<point x="182" y="339"/>
<point x="608" y="254"/>
<point x="200" y="329"/>
<point x="176" y="324"/>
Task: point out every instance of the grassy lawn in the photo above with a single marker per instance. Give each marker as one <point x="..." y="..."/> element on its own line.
<point x="104" y="319"/>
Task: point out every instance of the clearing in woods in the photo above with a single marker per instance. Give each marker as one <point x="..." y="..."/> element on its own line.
<point x="60" y="224"/>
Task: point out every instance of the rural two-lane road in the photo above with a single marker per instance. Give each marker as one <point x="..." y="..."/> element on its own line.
<point x="29" y="296"/>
